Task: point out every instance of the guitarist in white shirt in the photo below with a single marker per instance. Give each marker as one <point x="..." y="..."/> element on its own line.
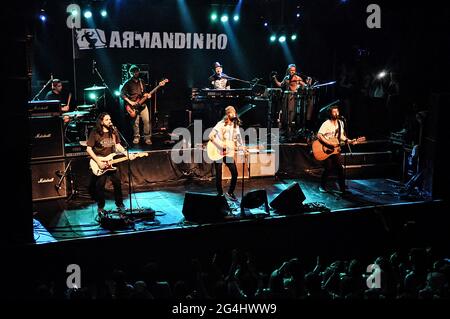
<point x="103" y="141"/>
<point x="332" y="128"/>
<point x="227" y="132"/>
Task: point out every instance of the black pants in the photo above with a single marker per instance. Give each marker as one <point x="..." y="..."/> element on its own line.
<point x="333" y="162"/>
<point x="97" y="188"/>
<point x="229" y="162"/>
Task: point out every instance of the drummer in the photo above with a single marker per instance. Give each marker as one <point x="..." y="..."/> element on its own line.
<point x="291" y="82"/>
<point x="58" y="93"/>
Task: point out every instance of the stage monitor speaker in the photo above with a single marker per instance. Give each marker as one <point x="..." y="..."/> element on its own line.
<point x="198" y="207"/>
<point x="47" y="139"/>
<point x="255" y="199"/>
<point x="289" y="200"/>
<point x="45" y="178"/>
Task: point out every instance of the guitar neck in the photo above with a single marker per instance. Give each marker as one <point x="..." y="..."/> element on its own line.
<point x="154" y="90"/>
<point x="122" y="159"/>
<point x="150" y="93"/>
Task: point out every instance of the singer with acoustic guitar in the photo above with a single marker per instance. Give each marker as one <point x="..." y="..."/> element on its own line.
<point x="135" y="97"/>
<point x="327" y="148"/>
<point x="224" y="140"/>
<point x="104" y="141"/>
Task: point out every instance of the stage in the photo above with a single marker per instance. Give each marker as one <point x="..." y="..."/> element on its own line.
<point x="159" y="185"/>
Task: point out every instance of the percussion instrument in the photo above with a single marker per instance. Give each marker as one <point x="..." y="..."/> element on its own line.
<point x="95" y="88"/>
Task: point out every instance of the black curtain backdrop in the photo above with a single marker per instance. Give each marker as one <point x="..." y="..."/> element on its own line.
<point x="411" y="43"/>
<point x="330" y="34"/>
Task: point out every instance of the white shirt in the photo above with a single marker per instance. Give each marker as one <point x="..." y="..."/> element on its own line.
<point x="226" y="133"/>
<point x="329" y="130"/>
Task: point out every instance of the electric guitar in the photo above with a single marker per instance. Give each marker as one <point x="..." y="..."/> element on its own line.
<point x="98" y="171"/>
<point x="134" y="110"/>
<point x="322" y="151"/>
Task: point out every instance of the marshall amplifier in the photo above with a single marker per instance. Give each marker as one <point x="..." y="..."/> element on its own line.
<point x="47" y="180"/>
<point x="47" y="140"/>
<point x="44" y="108"/>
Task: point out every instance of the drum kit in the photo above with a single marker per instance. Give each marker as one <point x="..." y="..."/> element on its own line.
<point x="78" y="123"/>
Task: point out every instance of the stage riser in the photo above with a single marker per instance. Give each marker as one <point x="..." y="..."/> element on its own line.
<point x="293" y="160"/>
<point x="364" y="158"/>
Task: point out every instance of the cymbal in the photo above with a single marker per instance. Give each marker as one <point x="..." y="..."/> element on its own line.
<point x="85" y="107"/>
<point x="95" y="88"/>
<point x="76" y="113"/>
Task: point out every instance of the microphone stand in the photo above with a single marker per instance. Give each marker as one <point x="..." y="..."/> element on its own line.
<point x="45" y="85"/>
<point x="104" y="84"/>
<point x="64" y="174"/>
<point x="349" y="149"/>
<point x="129" y="168"/>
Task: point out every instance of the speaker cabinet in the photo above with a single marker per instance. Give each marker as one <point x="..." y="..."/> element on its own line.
<point x="258" y="163"/>
<point x="47" y="139"/>
<point x="200" y="208"/>
<point x="45" y="178"/>
<point x="290" y="200"/>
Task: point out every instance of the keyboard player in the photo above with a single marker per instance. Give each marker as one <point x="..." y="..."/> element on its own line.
<point x="219" y="80"/>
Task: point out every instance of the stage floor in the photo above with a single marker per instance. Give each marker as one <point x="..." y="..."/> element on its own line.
<point x="63" y="220"/>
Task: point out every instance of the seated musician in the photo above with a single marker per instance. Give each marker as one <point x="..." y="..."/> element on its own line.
<point x="219" y="80"/>
<point x="57" y="93"/>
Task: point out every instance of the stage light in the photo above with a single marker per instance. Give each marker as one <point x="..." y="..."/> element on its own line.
<point x="266" y="24"/>
<point x="88" y="14"/>
<point x="117" y="93"/>
<point x="213" y="17"/>
<point x="298" y="15"/>
<point x="273" y="38"/>
<point x="382" y="74"/>
<point x="103" y="13"/>
<point x="92" y="96"/>
<point x="236" y="17"/>
<point x="224" y="18"/>
<point x="282" y="39"/>
<point x="294" y="37"/>
<point x="43" y="17"/>
<point x="74" y="12"/>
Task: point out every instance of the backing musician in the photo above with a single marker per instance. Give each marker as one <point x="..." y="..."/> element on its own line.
<point x="132" y="91"/>
<point x="291" y="82"/>
<point x="219" y="80"/>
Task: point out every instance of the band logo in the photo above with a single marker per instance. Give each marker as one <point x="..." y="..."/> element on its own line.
<point x="89" y="39"/>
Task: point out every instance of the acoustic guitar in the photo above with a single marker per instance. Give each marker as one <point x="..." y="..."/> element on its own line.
<point x="216" y="153"/>
<point x="322" y="151"/>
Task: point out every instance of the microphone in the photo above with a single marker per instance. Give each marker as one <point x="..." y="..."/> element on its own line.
<point x="341" y="117"/>
<point x="51" y="76"/>
<point x="93" y="66"/>
<point x="58" y="173"/>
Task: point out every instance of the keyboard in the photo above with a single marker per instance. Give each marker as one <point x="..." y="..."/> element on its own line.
<point x="225" y="94"/>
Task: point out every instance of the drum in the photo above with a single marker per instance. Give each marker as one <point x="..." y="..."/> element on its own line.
<point x="76" y="131"/>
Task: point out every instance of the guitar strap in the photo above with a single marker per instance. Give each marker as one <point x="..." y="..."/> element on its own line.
<point x="339" y="131"/>
<point x="142" y="87"/>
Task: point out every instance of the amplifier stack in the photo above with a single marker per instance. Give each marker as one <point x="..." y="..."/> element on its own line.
<point x="47" y="152"/>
